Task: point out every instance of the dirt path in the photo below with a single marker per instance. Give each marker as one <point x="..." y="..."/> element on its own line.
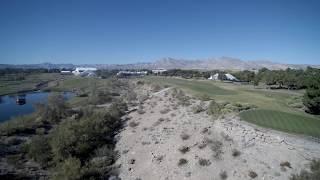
<point x="170" y="142"/>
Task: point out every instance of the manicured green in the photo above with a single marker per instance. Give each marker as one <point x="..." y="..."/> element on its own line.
<point x="283" y="121"/>
<point x="275" y="108"/>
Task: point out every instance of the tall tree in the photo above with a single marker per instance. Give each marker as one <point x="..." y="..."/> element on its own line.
<point x="311" y="97"/>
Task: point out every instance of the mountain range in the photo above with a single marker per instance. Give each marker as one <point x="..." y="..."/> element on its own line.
<point x="222" y="63"/>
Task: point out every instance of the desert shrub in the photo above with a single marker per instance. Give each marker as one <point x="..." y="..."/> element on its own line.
<point x="131" y="96"/>
<point x="285" y="164"/>
<point x="226" y="136"/>
<point x="216" y="147"/>
<point x="165" y="111"/>
<point x="235" y="153"/>
<point x="174" y="92"/>
<point x="173" y="115"/>
<point x="133" y="124"/>
<point x="252" y="174"/>
<point x="14" y="159"/>
<point x="69" y="169"/>
<point x="202" y="145"/>
<point x="199" y="108"/>
<point x="145" y="143"/>
<point x="184" y="149"/>
<point x="204" y="130"/>
<point x="79" y="138"/>
<point x="204" y="162"/>
<point x="101" y="162"/>
<point x="40" y="131"/>
<point x="12" y="141"/>
<point x="39" y="150"/>
<point x="54" y="110"/>
<point x="184" y="136"/>
<point x="100" y="98"/>
<point x="223" y="175"/>
<point x="156" y="87"/>
<point x="214" y="108"/>
<point x="140" y="82"/>
<point x="117" y="109"/>
<point x="242" y="107"/>
<point x="143" y="98"/>
<point x="204" y="97"/>
<point x="183" y="99"/>
<point x="217" y="109"/>
<point x="182" y="162"/>
<point x="313" y="174"/>
<point x="140" y="109"/>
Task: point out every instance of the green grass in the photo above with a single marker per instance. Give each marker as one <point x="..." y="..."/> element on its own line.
<point x="198" y="87"/>
<point x="29" y="83"/>
<point x="274" y="110"/>
<point x="283" y="121"/>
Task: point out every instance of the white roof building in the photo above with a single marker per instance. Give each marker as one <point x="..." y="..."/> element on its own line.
<point x="132" y="73"/>
<point x="81" y="71"/>
<point x="158" y="71"/>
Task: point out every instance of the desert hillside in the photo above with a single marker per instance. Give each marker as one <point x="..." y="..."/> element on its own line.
<point x="170" y="138"/>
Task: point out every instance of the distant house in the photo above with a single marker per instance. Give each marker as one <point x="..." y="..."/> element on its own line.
<point x="158" y="71"/>
<point x="131" y="73"/>
<point x="81" y="71"/>
<point x="226" y="76"/>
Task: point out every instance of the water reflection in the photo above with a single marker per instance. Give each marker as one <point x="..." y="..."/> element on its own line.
<point x="21" y="99"/>
<point x="17" y="105"/>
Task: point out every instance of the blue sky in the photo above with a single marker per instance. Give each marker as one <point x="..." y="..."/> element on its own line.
<point x="62" y="31"/>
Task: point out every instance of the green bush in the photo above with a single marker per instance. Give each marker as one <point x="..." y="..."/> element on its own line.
<point x="54" y="110"/>
<point x="78" y="138"/>
<point x="70" y="169"/>
<point x="99" y="97"/>
<point x="214" y="108"/>
<point x="39" y="150"/>
<point x="22" y="124"/>
<point x="311" y="100"/>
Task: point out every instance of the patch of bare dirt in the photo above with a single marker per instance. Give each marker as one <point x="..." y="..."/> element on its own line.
<point x="170" y="141"/>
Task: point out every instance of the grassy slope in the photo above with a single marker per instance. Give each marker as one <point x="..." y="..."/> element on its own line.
<point x="8" y="87"/>
<point x="273" y="110"/>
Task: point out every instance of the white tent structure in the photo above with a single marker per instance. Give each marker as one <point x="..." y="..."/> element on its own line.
<point x="231" y="77"/>
<point x="214" y="77"/>
<point x="228" y="76"/>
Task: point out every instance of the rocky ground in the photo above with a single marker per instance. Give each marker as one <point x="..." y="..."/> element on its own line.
<point x="164" y="140"/>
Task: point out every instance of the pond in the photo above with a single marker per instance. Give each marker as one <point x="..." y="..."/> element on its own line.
<point x="13" y="105"/>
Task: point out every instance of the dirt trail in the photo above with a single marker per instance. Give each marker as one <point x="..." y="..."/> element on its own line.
<point x="169" y="142"/>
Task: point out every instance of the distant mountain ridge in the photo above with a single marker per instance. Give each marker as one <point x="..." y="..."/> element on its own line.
<point x="222" y="63"/>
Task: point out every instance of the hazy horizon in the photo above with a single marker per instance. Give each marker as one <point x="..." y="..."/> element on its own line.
<point x="124" y="32"/>
<point x="153" y="61"/>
